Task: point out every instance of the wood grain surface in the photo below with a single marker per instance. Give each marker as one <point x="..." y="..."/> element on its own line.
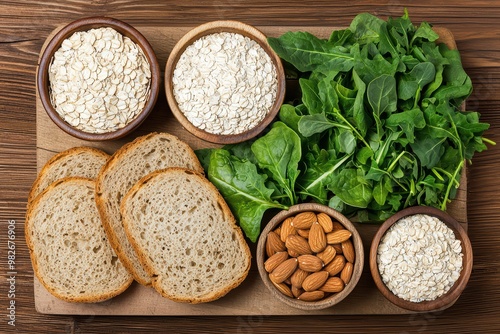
<point x="24" y="26"/>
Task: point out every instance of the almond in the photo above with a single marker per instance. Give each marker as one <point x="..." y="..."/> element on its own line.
<point x="275" y="260"/>
<point x="337" y="226"/>
<point x="296" y="291"/>
<point x="317" y="238"/>
<point x="304" y="220"/>
<point x="327" y="255"/>
<point x="315" y="281"/>
<point x="277" y="230"/>
<point x="298" y="277"/>
<point x="336" y="265"/>
<point x="284" y="289"/>
<point x="325" y="221"/>
<point x="311" y="296"/>
<point x="287" y="229"/>
<point x="348" y="251"/>
<point x="283" y="271"/>
<point x="293" y="253"/>
<point x="338" y="248"/>
<point x="333" y="284"/>
<point x="274" y="244"/>
<point x="337" y="237"/>
<point x="346" y="273"/>
<point x="303" y="233"/>
<point x="297" y="244"/>
<point x="310" y="263"/>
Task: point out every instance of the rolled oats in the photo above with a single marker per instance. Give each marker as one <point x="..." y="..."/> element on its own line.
<point x="419" y="258"/>
<point x="99" y="80"/>
<point x="225" y="83"/>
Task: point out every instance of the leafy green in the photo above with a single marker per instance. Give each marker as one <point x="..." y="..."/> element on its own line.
<point x="279" y="152"/>
<point x="377" y="128"/>
<point x="244" y="188"/>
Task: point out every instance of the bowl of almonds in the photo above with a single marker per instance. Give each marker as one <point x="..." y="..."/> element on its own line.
<point x="98" y="78"/>
<point x="310" y="256"/>
<point x="421" y="259"/>
<point x="223" y="82"/>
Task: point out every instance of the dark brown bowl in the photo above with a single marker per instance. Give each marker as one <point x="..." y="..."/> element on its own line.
<point x="85" y="24"/>
<point x="333" y="299"/>
<point x="217" y="27"/>
<point x="455" y="291"/>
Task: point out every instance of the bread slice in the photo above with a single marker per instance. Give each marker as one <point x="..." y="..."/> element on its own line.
<point x="69" y="250"/>
<point x="127" y="166"/>
<point x="78" y="161"/>
<point x="185" y="235"/>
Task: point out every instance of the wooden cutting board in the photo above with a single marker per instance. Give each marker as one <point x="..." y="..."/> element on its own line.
<point x="251" y="297"/>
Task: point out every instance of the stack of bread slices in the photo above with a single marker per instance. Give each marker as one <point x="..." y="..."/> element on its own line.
<point x="95" y="223"/>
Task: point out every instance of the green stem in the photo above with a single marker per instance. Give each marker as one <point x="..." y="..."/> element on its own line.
<point x="489" y="141"/>
<point x="393" y="164"/>
<point x="448" y="189"/>
<point x="360" y="137"/>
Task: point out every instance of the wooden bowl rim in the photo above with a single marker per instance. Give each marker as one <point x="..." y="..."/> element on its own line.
<point x="85" y="24"/>
<point x="358" y="264"/>
<point x="207" y="29"/>
<point x="455" y="291"/>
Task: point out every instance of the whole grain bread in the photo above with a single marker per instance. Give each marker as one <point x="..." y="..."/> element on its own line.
<point x="78" y="161"/>
<point x="128" y="165"/>
<point x="69" y="250"/>
<point x="185" y="235"/>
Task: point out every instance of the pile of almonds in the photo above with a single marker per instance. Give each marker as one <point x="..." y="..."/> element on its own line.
<point x="309" y="256"/>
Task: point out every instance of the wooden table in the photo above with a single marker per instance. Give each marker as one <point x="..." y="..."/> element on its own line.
<point x="24" y="26"/>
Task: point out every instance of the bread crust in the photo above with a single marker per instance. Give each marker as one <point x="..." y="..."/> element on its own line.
<point x="144" y="258"/>
<point x="117" y="157"/>
<point x="34" y="260"/>
<point x="35" y="188"/>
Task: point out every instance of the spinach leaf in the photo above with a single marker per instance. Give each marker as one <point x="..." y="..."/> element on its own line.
<point x="407" y="120"/>
<point x="279" y="151"/>
<point x="361" y="119"/>
<point x="366" y="28"/>
<point x="313" y="124"/>
<point x="411" y="84"/>
<point x="352" y="188"/>
<point x="428" y="148"/>
<point x="306" y="52"/>
<point x="310" y="96"/>
<point x="425" y="31"/>
<point x="244" y="189"/>
<point x="382" y="96"/>
<point x="319" y="173"/>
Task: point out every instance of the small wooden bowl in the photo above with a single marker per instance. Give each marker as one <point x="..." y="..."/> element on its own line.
<point x="452" y="295"/>
<point x="332" y="299"/>
<point x="85" y="24"/>
<point x="212" y="28"/>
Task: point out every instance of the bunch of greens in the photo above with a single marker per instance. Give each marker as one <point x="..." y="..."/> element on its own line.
<point x="378" y="127"/>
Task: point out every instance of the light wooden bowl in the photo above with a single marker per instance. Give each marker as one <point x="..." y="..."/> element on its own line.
<point x="332" y="299"/>
<point x="217" y="27"/>
<point x="85" y="24"/>
<point x="456" y="290"/>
